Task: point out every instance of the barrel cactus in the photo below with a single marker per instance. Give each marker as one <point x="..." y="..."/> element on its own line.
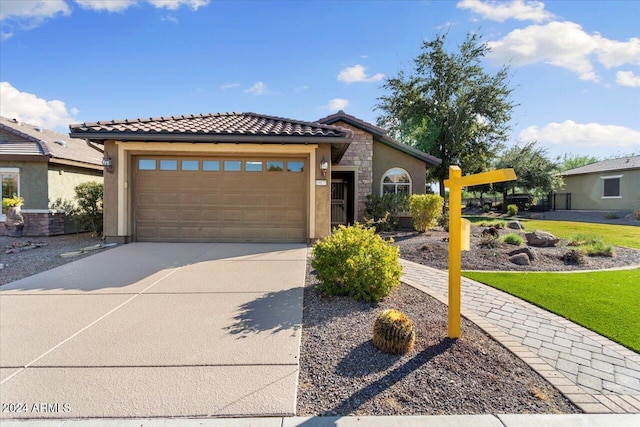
<point x="393" y="332"/>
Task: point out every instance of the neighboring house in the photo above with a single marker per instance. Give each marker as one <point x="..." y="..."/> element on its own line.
<point x="607" y="185"/>
<point x="42" y="166"/>
<point x="244" y="176"/>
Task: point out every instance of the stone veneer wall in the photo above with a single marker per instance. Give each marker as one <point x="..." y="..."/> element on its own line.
<point x="360" y="154"/>
<point x="41" y="224"/>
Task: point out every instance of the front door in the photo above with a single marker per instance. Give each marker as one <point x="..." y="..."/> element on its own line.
<point x="339" y="197"/>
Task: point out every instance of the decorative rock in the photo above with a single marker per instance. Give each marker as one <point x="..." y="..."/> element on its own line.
<point x="491" y="231"/>
<point x="541" y="239"/>
<point x="516" y="225"/>
<point x="520" y="259"/>
<point x="530" y="252"/>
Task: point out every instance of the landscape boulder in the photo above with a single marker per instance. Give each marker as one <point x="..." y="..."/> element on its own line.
<point x="515" y="225"/>
<point x="541" y="239"/>
<point x="530" y="252"/>
<point x="520" y="259"/>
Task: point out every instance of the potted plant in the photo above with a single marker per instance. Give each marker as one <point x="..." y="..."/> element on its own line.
<point x="14" y="222"/>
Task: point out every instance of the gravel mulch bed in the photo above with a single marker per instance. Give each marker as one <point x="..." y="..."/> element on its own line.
<point x="342" y="373"/>
<point x="19" y="265"/>
<point x="432" y="249"/>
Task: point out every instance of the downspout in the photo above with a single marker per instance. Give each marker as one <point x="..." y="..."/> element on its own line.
<point x="90" y="144"/>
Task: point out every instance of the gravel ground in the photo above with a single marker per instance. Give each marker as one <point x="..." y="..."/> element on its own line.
<point x="431" y="249"/>
<point x="16" y="266"/>
<point x="342" y="373"/>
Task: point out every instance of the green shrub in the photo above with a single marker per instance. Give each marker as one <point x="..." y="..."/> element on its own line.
<point x="443" y="221"/>
<point x="355" y="261"/>
<point x="636" y="214"/>
<point x="497" y="223"/>
<point x="425" y="209"/>
<point x="89" y="197"/>
<point x="486" y="208"/>
<point x="513" y="239"/>
<point x="598" y="249"/>
<point x="512" y="210"/>
<point x="381" y="212"/>
<point x="581" y="239"/>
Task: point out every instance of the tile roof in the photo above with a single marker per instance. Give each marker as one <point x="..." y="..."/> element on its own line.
<point x="381" y="134"/>
<point x="611" y="165"/>
<point x="34" y="140"/>
<point x="208" y="127"/>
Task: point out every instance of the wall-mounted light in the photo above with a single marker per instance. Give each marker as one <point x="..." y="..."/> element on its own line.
<point x="106" y="162"/>
<point x="324" y="166"/>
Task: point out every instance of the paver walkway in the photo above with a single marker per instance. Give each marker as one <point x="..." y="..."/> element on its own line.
<point x="595" y="373"/>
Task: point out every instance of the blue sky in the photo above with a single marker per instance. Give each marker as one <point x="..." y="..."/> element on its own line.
<point x="575" y="65"/>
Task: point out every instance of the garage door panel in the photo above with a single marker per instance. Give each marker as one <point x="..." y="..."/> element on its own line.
<point x="220" y="206"/>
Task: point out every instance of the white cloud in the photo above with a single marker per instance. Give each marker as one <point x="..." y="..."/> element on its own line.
<point x="501" y="11"/>
<point x="257" y="89"/>
<point x="627" y="78"/>
<point x="337" y="104"/>
<point x="357" y="74"/>
<point x="29" y="14"/>
<point x="29" y="108"/>
<point x="301" y="89"/>
<point x="108" y="5"/>
<point x="582" y="135"/>
<point x="175" y="4"/>
<point x="565" y="45"/>
<point x="33" y="9"/>
<point x="229" y="86"/>
<point x="120" y="5"/>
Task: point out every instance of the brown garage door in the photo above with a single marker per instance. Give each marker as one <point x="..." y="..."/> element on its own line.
<point x="220" y="199"/>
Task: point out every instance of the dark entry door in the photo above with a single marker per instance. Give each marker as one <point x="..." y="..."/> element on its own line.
<point x="339" y="197"/>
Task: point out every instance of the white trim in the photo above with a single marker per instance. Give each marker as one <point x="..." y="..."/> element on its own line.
<point x="35" y="211"/>
<point x="9" y="170"/>
<point x="604" y="178"/>
<point x="384" y="175"/>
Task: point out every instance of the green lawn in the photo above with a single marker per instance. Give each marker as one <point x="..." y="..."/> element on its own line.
<point x="607" y="302"/>
<point x="618" y="235"/>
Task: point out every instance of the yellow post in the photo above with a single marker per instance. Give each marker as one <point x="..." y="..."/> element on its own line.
<point x="455" y="255"/>
<point x="455" y="183"/>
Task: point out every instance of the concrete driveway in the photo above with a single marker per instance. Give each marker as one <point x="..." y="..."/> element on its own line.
<point x="156" y="329"/>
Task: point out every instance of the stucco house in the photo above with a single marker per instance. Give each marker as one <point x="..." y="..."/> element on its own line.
<point x="608" y="185"/>
<point x="42" y="166"/>
<point x="244" y="176"/>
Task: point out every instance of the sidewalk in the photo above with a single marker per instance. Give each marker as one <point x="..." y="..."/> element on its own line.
<point x="596" y="374"/>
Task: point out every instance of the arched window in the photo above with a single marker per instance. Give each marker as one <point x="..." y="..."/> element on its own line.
<point x="396" y="181"/>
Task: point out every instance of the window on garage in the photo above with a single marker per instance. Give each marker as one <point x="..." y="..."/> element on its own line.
<point x="211" y="165"/>
<point x="611" y="187"/>
<point x="146" y="164"/>
<point x="232" y="165"/>
<point x="295" y="166"/>
<point x="275" y="166"/>
<point x="253" y="166"/>
<point x="190" y="165"/>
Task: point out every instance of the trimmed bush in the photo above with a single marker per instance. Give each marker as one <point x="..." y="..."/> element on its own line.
<point x="381" y="212"/>
<point x="356" y="262"/>
<point x="513" y="239"/>
<point x="636" y="214"/>
<point x="393" y="332"/>
<point x="486" y="208"/>
<point x="425" y="209"/>
<point x="512" y="210"/>
<point x="89" y="198"/>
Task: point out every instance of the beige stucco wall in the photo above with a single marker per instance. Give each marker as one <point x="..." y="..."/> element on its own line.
<point x="110" y="200"/>
<point x="63" y="180"/>
<point x="385" y="158"/>
<point x="33" y="182"/>
<point x="586" y="191"/>
<point x="323" y="194"/>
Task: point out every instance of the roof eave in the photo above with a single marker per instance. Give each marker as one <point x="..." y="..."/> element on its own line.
<point x="100" y="137"/>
